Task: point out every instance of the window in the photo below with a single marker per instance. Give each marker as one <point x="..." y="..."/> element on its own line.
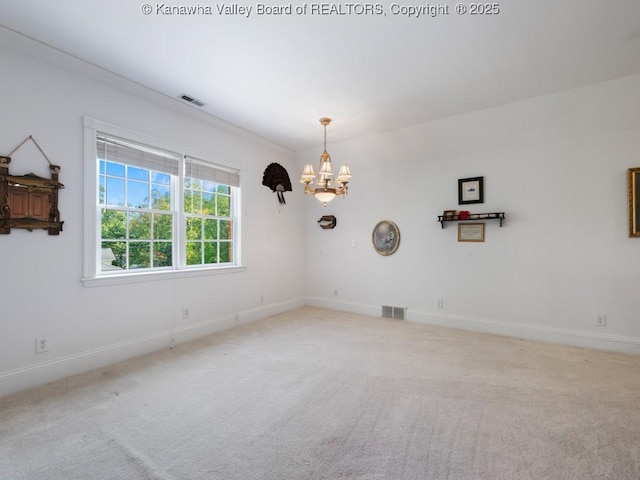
<point x="158" y="210"/>
<point x="207" y="209"/>
<point x="135" y="195"/>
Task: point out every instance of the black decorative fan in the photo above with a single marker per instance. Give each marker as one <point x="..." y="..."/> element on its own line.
<point x="277" y="179"/>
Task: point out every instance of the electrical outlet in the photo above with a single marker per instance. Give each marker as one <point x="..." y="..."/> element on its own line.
<point x="42" y="345"/>
<point x="186" y="312"/>
<point x="601" y="321"/>
<point x="440" y="303"/>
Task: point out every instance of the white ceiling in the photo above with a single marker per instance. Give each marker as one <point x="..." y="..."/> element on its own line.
<point x="276" y="75"/>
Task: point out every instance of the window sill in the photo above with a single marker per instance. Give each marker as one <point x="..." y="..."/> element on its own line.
<point x="140" y="277"/>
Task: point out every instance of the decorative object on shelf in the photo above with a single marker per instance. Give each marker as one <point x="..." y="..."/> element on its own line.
<point x="471" y="216"/>
<point x="471" y="190"/>
<point x="326" y="188"/>
<point x="449" y="214"/>
<point x="277" y="179"/>
<point x="385" y="237"/>
<point x="471" y="232"/>
<point x="29" y="202"/>
<point x="463" y="215"/>
<point x="633" y="181"/>
<point x="327" y="222"/>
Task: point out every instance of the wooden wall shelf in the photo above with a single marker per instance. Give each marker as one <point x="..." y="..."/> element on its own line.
<point x="28" y="201"/>
<point x="472" y="217"/>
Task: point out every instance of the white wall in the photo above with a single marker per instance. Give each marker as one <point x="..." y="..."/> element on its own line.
<point x="41" y="293"/>
<point x="555" y="164"/>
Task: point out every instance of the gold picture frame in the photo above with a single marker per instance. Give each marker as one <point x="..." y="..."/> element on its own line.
<point x="385" y="238"/>
<point x="633" y="183"/>
<point x="471" y="232"/>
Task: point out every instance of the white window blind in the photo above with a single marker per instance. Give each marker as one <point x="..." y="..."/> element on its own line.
<point x="213" y="173"/>
<point x="123" y="151"/>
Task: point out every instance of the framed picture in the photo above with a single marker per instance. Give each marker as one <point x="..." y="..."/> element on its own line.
<point x="633" y="181"/>
<point x="471" y="190"/>
<point x="471" y="232"/>
<point x="448" y="214"/>
<point x="385" y="237"/>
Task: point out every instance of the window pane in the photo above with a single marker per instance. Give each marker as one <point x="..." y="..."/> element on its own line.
<point x="115" y="192"/>
<point x="225" y="252"/>
<point x="188" y="208"/>
<point x="113" y="256"/>
<point x="162" y="178"/>
<point x="210" y="229"/>
<point x="115" y="169"/>
<point x="162" y="254"/>
<point x="194" y="228"/>
<point x="223" y="206"/>
<point x="194" y="253"/>
<point x="208" y="204"/>
<point x="140" y="226"/>
<point x="210" y="252"/>
<point x="102" y="168"/>
<point x="139" y="255"/>
<point x="225" y="229"/>
<point x="137" y="194"/>
<point x="224" y="189"/>
<point x="161" y="197"/>
<point x="196" y="200"/>
<point x="102" y="190"/>
<point x="113" y="224"/>
<point x="138" y="173"/>
<point x="162" y="226"/>
<point x="192" y="201"/>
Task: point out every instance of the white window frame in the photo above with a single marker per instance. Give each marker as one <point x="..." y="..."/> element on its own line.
<point x="92" y="274"/>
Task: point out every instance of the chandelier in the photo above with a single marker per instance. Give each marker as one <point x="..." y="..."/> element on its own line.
<point x="325" y="188"/>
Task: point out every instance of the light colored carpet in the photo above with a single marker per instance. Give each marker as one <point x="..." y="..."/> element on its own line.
<point x="318" y="394"/>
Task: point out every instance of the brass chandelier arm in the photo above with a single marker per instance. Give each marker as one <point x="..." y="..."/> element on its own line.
<point x="341" y="190"/>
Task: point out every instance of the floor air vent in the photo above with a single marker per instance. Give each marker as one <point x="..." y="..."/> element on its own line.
<point x="393" y="312"/>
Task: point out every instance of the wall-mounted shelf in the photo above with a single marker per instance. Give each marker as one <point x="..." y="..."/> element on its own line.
<point x="28" y="201"/>
<point x="471" y="217"/>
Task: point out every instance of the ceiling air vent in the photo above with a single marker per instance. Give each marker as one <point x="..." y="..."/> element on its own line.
<point x="191" y="100"/>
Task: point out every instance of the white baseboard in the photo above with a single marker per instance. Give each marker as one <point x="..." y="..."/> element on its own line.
<point x="353" y="307"/>
<point x="65" y="366"/>
<point x="576" y="338"/>
<point x="264" y="311"/>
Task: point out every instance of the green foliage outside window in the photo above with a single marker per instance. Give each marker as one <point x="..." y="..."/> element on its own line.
<point x="140" y="234"/>
<point x="137" y="219"/>
<point x="209" y="230"/>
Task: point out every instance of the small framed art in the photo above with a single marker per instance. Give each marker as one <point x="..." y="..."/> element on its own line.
<point x="471" y="190"/>
<point x="471" y="232"/>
